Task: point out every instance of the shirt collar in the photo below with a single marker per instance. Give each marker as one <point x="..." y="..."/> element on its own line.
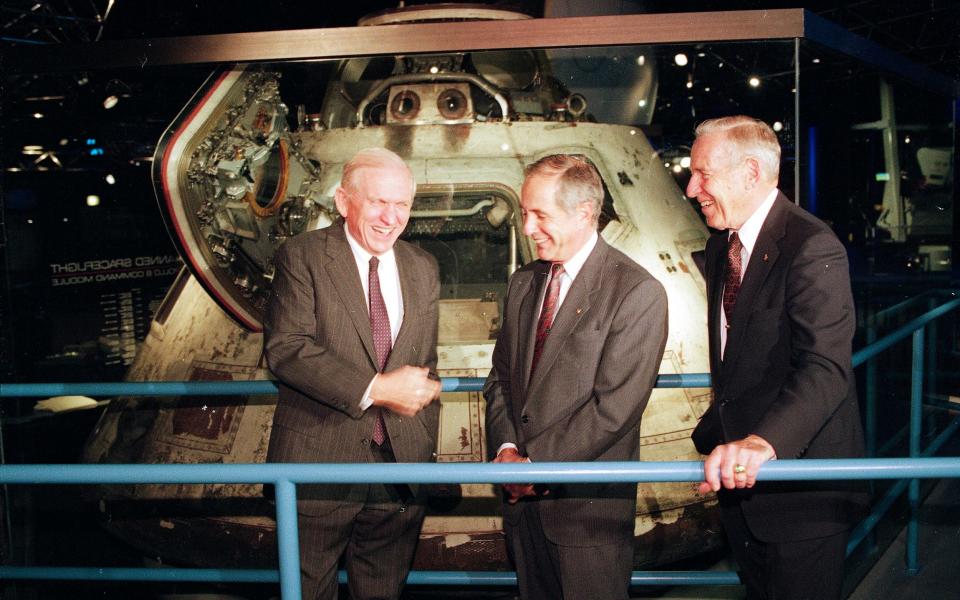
<point x="361" y="256"/>
<point x="572" y="266"/>
<point x="750" y="230"/>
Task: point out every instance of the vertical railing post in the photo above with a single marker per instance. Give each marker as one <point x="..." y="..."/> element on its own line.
<point x="288" y="545"/>
<point x="871" y="396"/>
<point x="916" y="427"/>
<point x="930" y="362"/>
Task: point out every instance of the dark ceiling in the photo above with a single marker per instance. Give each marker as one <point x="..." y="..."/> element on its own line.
<point x="926" y="31"/>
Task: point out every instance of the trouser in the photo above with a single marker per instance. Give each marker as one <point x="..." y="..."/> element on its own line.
<point x="800" y="570"/>
<point x="375" y="527"/>
<point x="548" y="571"/>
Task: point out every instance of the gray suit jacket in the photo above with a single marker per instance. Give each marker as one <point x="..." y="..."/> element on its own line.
<point x="786" y="374"/>
<point x="584" y="401"/>
<point x="318" y="343"/>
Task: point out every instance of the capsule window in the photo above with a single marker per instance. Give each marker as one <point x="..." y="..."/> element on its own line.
<point x="405" y="106"/>
<point x="452" y="104"/>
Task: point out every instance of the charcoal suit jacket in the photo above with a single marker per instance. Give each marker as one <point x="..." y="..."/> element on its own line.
<point x="786" y="372"/>
<point x="590" y="387"/>
<point x="318" y="343"/>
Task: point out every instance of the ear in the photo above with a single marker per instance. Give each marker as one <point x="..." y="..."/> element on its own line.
<point x="584" y="212"/>
<point x="752" y="170"/>
<point x="340" y="198"/>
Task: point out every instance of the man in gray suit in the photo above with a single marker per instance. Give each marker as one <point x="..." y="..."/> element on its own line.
<point x="583" y="334"/>
<point x="351" y="333"/>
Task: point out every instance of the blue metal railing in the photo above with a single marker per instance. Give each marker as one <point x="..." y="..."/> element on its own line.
<point x="253" y="388"/>
<point x="286" y="476"/>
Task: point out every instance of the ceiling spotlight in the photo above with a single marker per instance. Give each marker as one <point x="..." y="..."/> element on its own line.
<point x="110" y="178"/>
<point x="680" y="59"/>
<point x="110" y="101"/>
<point x="434" y="69"/>
<point x="642" y="103"/>
<point x="706" y="89"/>
<point x="816" y="61"/>
<point x="64" y="141"/>
<point x="685" y="162"/>
<point x="37" y="115"/>
<point x="677" y="168"/>
<point x="777" y="126"/>
<point x="92" y="200"/>
<point x="906" y="140"/>
<point x="754" y="81"/>
<point x="633" y="132"/>
<point x="33" y="150"/>
<point x="689" y="82"/>
<point x="504" y="146"/>
<point x="720" y="65"/>
<point x="701" y="54"/>
<point x="641" y="60"/>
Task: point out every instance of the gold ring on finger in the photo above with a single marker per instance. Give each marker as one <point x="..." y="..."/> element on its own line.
<point x="739" y="469"/>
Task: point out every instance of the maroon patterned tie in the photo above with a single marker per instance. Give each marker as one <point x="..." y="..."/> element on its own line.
<point x="382" y="340"/>
<point x="734" y="271"/>
<point x="547" y="312"/>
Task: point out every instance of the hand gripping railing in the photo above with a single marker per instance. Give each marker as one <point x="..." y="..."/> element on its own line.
<point x="286" y="476"/>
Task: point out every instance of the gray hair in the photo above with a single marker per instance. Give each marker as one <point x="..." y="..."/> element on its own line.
<point x="751" y="138"/>
<point x="577" y="181"/>
<point x="372" y="158"/>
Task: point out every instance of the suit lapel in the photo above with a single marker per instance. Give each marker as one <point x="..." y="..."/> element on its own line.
<point x="342" y="270"/>
<point x="527" y="318"/>
<point x="717" y="270"/>
<point x="764" y="256"/>
<point x="576" y="304"/>
<point x="412" y="288"/>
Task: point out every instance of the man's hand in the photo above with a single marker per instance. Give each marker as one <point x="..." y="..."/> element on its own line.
<point x="735" y="465"/>
<point x="515" y="491"/>
<point x="405" y="391"/>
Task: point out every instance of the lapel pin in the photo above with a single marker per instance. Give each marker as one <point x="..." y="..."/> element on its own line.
<point x="766" y="257"/>
<point x="579" y="310"/>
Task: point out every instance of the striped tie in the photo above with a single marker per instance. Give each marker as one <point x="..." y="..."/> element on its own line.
<point x="547" y="312"/>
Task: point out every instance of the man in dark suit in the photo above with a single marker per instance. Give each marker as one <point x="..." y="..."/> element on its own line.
<point x="351" y="333"/>
<point x="583" y="334"/>
<point x="781" y="324"/>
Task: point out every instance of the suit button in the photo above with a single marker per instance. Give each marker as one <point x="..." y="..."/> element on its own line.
<point x="724" y="401"/>
<point x="364" y="442"/>
<point x="525" y="418"/>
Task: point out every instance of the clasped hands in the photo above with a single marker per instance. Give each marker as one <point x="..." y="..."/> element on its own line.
<point x="405" y="391"/>
<point x="516" y="491"/>
<point x="735" y="465"/>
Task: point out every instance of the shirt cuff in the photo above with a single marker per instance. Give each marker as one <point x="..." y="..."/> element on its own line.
<point x="506" y="445"/>
<point x="366" y="402"/>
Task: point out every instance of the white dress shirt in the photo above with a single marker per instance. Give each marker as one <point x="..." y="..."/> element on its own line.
<point x="571" y="268"/>
<point x="389" y="287"/>
<point x="748" y="234"/>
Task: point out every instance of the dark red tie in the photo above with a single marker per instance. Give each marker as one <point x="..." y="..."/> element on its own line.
<point x="547" y="312"/>
<point x="382" y="340"/>
<point x="734" y="271"/>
